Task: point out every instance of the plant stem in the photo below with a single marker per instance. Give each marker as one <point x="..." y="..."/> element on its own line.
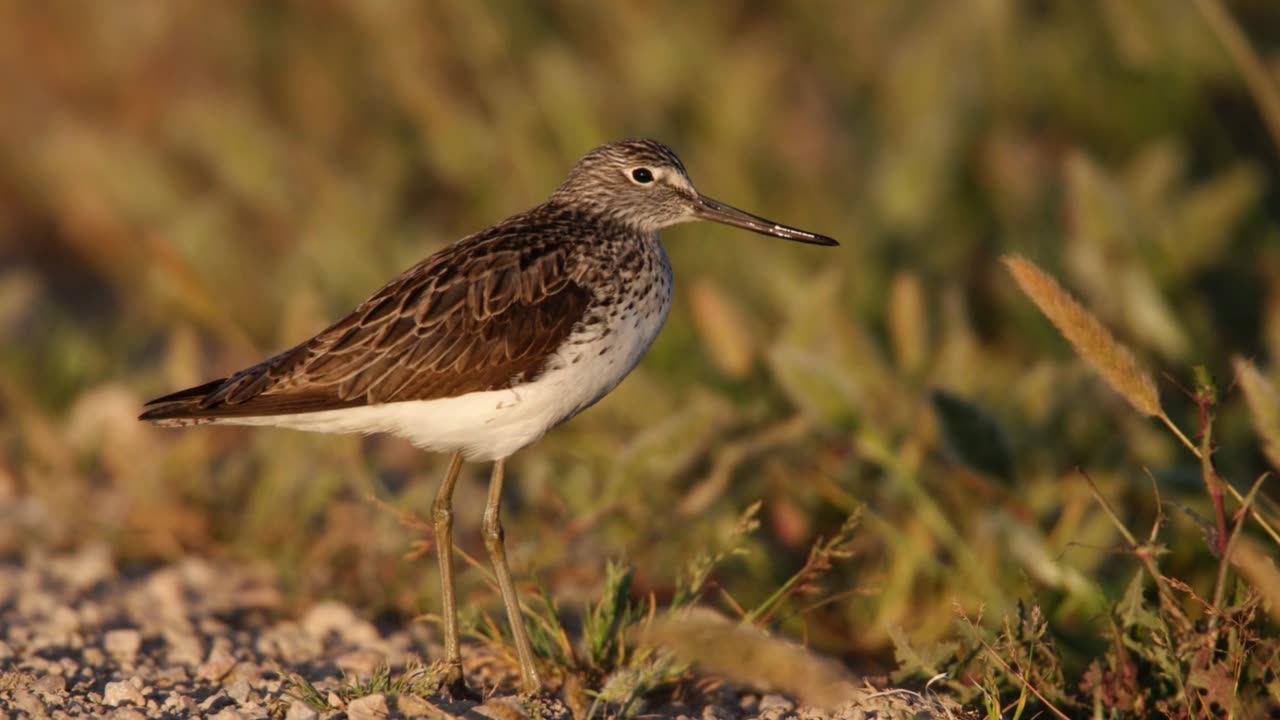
<point x="1257" y="517"/>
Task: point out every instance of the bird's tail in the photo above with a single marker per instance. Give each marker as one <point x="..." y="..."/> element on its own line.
<point x="181" y="408"/>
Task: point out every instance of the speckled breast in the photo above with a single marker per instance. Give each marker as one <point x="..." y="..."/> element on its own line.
<point x="632" y="300"/>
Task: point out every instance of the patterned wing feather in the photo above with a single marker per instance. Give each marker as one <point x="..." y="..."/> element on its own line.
<point x="483" y="314"/>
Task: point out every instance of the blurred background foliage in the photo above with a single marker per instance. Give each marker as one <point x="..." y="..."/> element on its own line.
<point x="186" y="187"/>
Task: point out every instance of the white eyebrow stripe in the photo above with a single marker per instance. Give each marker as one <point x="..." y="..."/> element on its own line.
<point x="677" y="178"/>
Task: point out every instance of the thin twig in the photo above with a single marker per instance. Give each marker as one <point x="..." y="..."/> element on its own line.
<point x="1213" y="484"/>
<point x="1017" y="673"/>
<point x="1253" y="512"/>
<point x="1220" y="587"/>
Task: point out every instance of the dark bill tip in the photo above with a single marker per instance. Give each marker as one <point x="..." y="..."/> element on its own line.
<point x="716" y="211"/>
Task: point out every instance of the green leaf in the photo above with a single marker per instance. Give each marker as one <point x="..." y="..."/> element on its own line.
<point x="972" y="436"/>
<point x="815" y="385"/>
<point x="926" y="661"/>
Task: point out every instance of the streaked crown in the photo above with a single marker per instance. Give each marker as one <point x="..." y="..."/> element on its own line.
<point x="640" y="183"/>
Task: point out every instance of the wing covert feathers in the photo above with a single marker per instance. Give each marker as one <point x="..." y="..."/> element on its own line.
<point x="483" y="314"/>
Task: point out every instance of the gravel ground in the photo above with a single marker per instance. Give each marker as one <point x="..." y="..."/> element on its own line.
<point x="79" y="638"/>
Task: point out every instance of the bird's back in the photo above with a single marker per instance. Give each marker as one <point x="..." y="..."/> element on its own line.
<point x="547" y="302"/>
<point x="482" y="314"/>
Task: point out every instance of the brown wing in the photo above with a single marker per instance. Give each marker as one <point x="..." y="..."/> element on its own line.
<point x="483" y="314"/>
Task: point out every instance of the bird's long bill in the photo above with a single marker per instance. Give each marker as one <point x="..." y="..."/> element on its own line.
<point x="716" y="211"/>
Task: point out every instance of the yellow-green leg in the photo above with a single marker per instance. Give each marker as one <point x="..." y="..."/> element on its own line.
<point x="529" y="678"/>
<point x="442" y="519"/>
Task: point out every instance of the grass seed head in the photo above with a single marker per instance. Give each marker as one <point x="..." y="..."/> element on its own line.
<point x="1091" y="340"/>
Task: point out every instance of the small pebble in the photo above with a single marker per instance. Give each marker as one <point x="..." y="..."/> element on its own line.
<point x="369" y="707"/>
<point x="93" y="657"/>
<point x="64" y="620"/>
<point x="215" y="701"/>
<point x="123" y="645"/>
<point x="119" y="692"/>
<point x="245" y="670"/>
<point x="337" y="618"/>
<point x="51" y="684"/>
<point x="412" y="706"/>
<point x="715" y="712"/>
<point x="178" y="704"/>
<point x="27" y="701"/>
<point x="776" y="702"/>
<point x="86" y="568"/>
<point x="239" y="691"/>
<point x="183" y="647"/>
<point x="360" y="662"/>
<point x="507" y="707"/>
<point x="299" y="710"/>
<point x="218" y="665"/>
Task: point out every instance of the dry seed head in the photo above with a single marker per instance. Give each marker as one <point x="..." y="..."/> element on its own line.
<point x="1264" y="407"/>
<point x="907" y="321"/>
<point x="748" y="656"/>
<point x="723" y="329"/>
<point x="1091" y="340"/>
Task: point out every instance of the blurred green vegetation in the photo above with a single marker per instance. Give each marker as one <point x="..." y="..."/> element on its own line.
<point x="186" y="187"/>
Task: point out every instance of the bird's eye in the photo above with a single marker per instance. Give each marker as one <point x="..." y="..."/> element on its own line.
<point x="642" y="175"/>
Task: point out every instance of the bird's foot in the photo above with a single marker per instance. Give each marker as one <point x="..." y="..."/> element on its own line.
<point x="455" y="687"/>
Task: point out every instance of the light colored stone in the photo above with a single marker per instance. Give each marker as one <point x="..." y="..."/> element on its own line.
<point x="93" y="657"/>
<point x="369" y="707"/>
<point x="91" y="614"/>
<point x="120" y="692"/>
<point x="771" y="702"/>
<point x="507" y="707"/>
<point x="245" y="670"/>
<point x="239" y="691"/>
<point x="26" y="701"/>
<point x="290" y="642"/>
<point x="179" y="704"/>
<point x="183" y="647"/>
<point x="199" y="573"/>
<point x="715" y="712"/>
<point x="215" y="699"/>
<point x="51" y="684"/>
<point x="169" y="676"/>
<point x="123" y="645"/>
<point x="260" y="595"/>
<point x="218" y="665"/>
<point x="64" y="620"/>
<point x="412" y="705"/>
<point x="86" y="568"/>
<point x="360" y="662"/>
<point x="299" y="710"/>
<point x="337" y="618"/>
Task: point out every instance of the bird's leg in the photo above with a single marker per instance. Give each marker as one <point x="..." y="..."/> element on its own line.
<point x="492" y="528"/>
<point x="442" y="518"/>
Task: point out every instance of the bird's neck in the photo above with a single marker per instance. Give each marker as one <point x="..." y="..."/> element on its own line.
<point x="596" y="216"/>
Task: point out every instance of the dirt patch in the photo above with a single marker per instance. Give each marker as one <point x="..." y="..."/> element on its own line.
<point x="195" y="639"/>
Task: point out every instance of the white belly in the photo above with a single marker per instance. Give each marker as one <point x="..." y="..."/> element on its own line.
<point x="495" y="424"/>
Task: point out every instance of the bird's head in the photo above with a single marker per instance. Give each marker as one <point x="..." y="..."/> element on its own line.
<point x="643" y="184"/>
